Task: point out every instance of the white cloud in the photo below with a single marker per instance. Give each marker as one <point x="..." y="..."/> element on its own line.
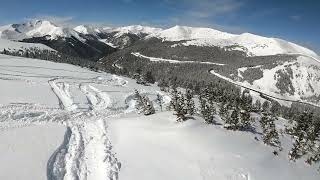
<point x="205" y="8"/>
<point x="58" y="20"/>
<point x="295" y="17"/>
<point x="127" y="1"/>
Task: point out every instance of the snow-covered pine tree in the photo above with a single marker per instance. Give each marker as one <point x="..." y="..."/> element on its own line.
<point x="315" y="157"/>
<point x="246" y="100"/>
<point x="148" y="108"/>
<point x="190" y="106"/>
<point x="207" y="108"/>
<point x="159" y="101"/>
<point x="149" y="77"/>
<point x="315" y="134"/>
<point x="139" y="101"/>
<point x="266" y="106"/>
<point x="275" y="108"/>
<point x="232" y="123"/>
<point x="174" y="98"/>
<point x="177" y="104"/>
<point x="270" y="133"/>
<point x="302" y="132"/>
<point x="180" y="108"/>
<point x="257" y="106"/>
<point x="223" y="111"/>
<point x="245" y="120"/>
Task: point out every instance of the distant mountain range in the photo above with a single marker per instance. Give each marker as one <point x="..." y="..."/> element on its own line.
<point x="92" y="42"/>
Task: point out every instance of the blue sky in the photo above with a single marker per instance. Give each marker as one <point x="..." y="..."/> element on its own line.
<point x="294" y="20"/>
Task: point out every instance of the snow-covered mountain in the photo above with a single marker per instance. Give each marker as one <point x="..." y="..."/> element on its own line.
<point x="118" y="31"/>
<point x="118" y="37"/>
<point x="63" y="39"/>
<point x="36" y="28"/>
<point x="136" y="29"/>
<point x="252" y="44"/>
<point x="86" y="29"/>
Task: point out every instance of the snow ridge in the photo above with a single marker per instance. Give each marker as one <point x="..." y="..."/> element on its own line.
<point x="252" y="44"/>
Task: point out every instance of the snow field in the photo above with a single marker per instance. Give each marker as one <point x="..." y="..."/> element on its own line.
<point x="89" y="121"/>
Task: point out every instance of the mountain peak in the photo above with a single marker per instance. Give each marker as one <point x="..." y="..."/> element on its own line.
<point x="87" y="29"/>
<point x="178" y="33"/>
<point x="136" y="29"/>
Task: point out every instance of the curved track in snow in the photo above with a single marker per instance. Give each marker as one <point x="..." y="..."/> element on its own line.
<point x="86" y="152"/>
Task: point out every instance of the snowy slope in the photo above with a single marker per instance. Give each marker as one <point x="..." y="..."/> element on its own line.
<point x="294" y="81"/>
<point x="15" y="46"/>
<point x="106" y="139"/>
<point x="27" y="158"/>
<point x="178" y="33"/>
<point x="253" y="45"/>
<point x="303" y="75"/>
<point x="38" y="93"/>
<point x="157" y="147"/>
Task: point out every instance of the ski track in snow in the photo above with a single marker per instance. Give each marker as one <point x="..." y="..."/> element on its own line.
<point x="86" y="152"/>
<point x="61" y="90"/>
<point x="97" y="100"/>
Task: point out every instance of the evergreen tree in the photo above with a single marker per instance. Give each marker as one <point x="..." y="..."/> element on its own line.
<point x="143" y="104"/>
<point x="180" y="108"/>
<point x="149" y="77"/>
<point x="246" y="100"/>
<point x="139" y="101"/>
<point x="233" y="122"/>
<point x="177" y="104"/>
<point x="257" y="106"/>
<point x="270" y="133"/>
<point x="304" y="136"/>
<point x="315" y="157"/>
<point x="174" y="98"/>
<point x="245" y="120"/>
<point x="148" y="108"/>
<point x="266" y="106"/>
<point x="275" y="108"/>
<point x="159" y="101"/>
<point x="190" y="106"/>
<point x="207" y="108"/>
<point x="223" y="112"/>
